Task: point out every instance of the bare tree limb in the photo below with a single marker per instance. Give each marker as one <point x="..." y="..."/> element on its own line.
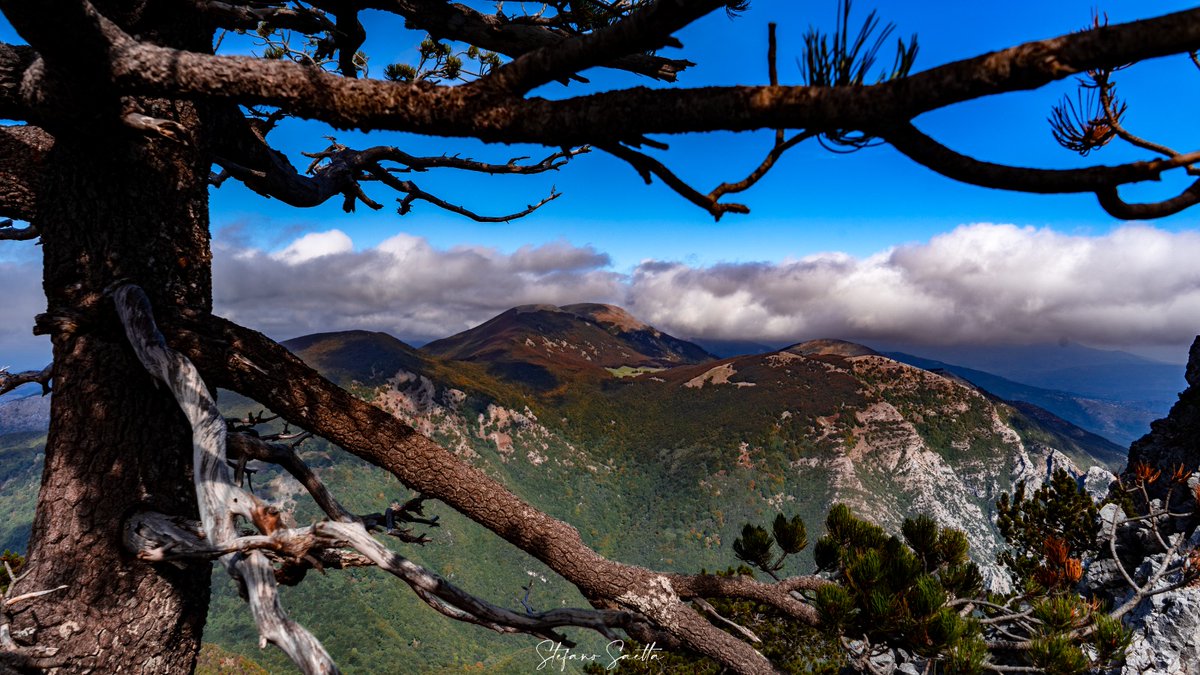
<point x="246" y="156"/>
<point x="511" y="37"/>
<point x="10" y="381"/>
<point x="159" y="538"/>
<point x="252" y="447"/>
<point x="480" y="112"/>
<point x="646" y="166"/>
<point x="1116" y="207"/>
<point x="713" y="614"/>
<point x="931" y="154"/>
<point x="413" y="193"/>
<point x="218" y="498"/>
<point x="248" y="17"/>
<point x="646" y="29"/>
<point x="414" y="163"/>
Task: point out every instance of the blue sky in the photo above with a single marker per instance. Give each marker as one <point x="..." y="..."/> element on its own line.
<point x="867" y="245"/>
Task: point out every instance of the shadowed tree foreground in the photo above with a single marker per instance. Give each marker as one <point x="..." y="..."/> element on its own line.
<point x="125" y="118"/>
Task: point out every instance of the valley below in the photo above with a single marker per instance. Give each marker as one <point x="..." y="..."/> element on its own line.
<point x="656" y="450"/>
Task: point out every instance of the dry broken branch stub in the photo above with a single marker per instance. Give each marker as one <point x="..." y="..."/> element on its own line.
<point x="646" y="29"/>
<point x="219" y="499"/>
<point x="10" y="381"/>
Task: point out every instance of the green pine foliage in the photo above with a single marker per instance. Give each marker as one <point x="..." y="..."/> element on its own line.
<point x="1058" y="512"/>
<point x="898" y="592"/>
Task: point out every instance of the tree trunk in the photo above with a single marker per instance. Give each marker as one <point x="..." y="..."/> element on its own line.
<point x="116" y="206"/>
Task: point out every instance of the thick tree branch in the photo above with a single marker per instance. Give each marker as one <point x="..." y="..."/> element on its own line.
<point x="10" y="381"/>
<point x="512" y="38"/>
<point x="22" y="157"/>
<point x="14" y="61"/>
<point x="644" y="30"/>
<point x="931" y="154"/>
<point x="480" y="112"/>
<point x="1116" y="207"/>
<point x="229" y="355"/>
<point x="236" y="16"/>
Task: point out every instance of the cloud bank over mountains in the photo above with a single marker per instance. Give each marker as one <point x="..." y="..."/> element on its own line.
<point x="981" y="283"/>
<point x="1137" y="286"/>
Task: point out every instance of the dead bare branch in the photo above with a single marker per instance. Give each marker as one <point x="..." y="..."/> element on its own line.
<point x="10" y="381"/>
<point x="248" y="17"/>
<point x="219" y="499"/>
<point x="929" y="153"/>
<point x="644" y="30"/>
<point x="646" y="166"/>
<point x="414" y="193"/>
<point x="251" y="447"/>
<point x="511" y="36"/>
<point x="1110" y="200"/>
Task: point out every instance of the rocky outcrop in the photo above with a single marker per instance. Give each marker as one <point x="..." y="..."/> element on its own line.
<point x="1166" y="625"/>
<point x="1165" y="629"/>
<point x="1175" y="439"/>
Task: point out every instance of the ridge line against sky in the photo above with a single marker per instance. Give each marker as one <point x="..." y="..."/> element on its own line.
<point x="905" y="261"/>
<point x="1136" y="287"/>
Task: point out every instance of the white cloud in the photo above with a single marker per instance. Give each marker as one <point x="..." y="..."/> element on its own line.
<point x="983" y="283"/>
<point x="979" y="283"/>
<point x="315" y="245"/>
<point x="403" y="286"/>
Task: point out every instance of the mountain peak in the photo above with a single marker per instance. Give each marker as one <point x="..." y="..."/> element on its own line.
<point x="546" y="347"/>
<point x="528" y="309"/>
<point x="608" y="315"/>
<point x="831" y="348"/>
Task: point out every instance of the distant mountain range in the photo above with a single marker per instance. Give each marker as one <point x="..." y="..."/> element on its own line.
<point x="817" y="422"/>
<point x="656" y="448"/>
<point x="1085" y="371"/>
<point x="1122" y="421"/>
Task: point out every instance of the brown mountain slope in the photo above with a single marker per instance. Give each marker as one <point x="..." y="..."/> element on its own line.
<point x="546" y="347"/>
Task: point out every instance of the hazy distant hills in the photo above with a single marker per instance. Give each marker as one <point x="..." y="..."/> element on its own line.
<point x="1120" y="420"/>
<point x="1084" y="371"/>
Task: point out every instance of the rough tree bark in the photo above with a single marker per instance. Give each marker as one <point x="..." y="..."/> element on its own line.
<point x="115" y="204"/>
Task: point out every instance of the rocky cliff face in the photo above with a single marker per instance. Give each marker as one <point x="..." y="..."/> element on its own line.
<point x="1165" y="626"/>
<point x="1174" y="440"/>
